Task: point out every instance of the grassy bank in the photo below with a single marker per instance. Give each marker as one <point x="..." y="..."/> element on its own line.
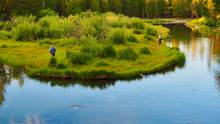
<point x="89" y="46"/>
<point x="204" y="25"/>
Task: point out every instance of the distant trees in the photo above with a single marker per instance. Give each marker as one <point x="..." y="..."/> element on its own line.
<point x="138" y="8"/>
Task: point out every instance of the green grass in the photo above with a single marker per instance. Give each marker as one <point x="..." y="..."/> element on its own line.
<point x="35" y="59"/>
<point x="103" y="48"/>
<point x="205" y="26"/>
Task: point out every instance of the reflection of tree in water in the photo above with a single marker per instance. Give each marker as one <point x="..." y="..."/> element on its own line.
<point x="7" y="74"/>
<point x="214" y="56"/>
<point x="101" y="84"/>
<point x="178" y="34"/>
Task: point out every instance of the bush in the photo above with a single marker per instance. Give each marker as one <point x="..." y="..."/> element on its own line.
<point x="127" y="54"/>
<point x="46" y="12"/>
<point x="151" y="31"/>
<point x="53" y="62"/>
<point x="145" y="51"/>
<point x="78" y="58"/>
<point x="25" y="31"/>
<point x="61" y="66"/>
<point x="118" y="36"/>
<point x="5" y="35"/>
<point x="132" y="39"/>
<point x="107" y="51"/>
<point x="55" y="27"/>
<point x="137" y="24"/>
<point x="210" y="22"/>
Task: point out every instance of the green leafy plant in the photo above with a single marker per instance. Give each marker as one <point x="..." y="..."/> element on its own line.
<point x="117" y="36"/>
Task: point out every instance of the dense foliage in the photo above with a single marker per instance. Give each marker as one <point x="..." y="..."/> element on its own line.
<point x="138" y="8"/>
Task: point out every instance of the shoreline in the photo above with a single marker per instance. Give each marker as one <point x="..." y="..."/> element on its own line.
<point x="46" y="73"/>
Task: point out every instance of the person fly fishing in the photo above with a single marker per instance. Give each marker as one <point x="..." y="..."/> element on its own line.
<point x="160" y="38"/>
<point x="52" y="50"/>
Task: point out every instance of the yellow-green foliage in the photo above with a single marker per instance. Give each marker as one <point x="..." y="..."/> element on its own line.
<point x="204" y="25"/>
<point x="90" y="46"/>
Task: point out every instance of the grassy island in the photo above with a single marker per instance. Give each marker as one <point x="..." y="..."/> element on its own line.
<point x="89" y="46"/>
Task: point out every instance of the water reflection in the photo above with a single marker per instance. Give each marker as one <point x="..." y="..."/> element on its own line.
<point x="200" y="49"/>
<point x="7" y="74"/>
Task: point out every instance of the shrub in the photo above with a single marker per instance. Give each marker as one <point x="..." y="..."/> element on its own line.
<point x="46" y="12"/>
<point x="99" y="26"/>
<point x="210" y="22"/>
<point x="131" y="38"/>
<point x="55" y="27"/>
<point x="145" y="51"/>
<point x="25" y="31"/>
<point x="127" y="54"/>
<point x="137" y="23"/>
<point x="61" y="66"/>
<point x="53" y="62"/>
<point x="107" y="51"/>
<point x="118" y="36"/>
<point x="5" y="34"/>
<point x="151" y="31"/>
<point x="78" y="58"/>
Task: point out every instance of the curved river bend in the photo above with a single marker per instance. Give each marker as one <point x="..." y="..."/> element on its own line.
<point x="186" y="95"/>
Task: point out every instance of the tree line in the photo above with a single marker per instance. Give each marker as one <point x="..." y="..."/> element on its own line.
<point x="137" y="8"/>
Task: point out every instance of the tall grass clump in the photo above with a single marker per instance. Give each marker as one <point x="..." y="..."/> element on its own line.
<point x="127" y="54"/>
<point x="145" y="51"/>
<point x="137" y="24"/>
<point x="78" y="58"/>
<point x="99" y="27"/>
<point x="118" y="36"/>
<point x="150" y="31"/>
<point x="90" y="49"/>
<point x="107" y="52"/>
<point x="131" y="38"/>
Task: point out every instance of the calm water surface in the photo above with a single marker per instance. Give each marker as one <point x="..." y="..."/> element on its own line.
<point x="187" y="95"/>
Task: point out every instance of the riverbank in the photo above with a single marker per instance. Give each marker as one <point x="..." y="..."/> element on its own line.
<point x="204" y="26"/>
<point x="164" y="21"/>
<point x="103" y="48"/>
